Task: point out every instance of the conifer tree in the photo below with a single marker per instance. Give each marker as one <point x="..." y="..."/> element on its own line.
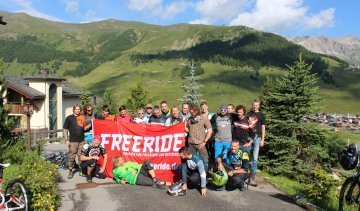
<point x="85" y="97"/>
<point x="138" y="98"/>
<point x="108" y="99"/>
<point x="192" y="89"/>
<point x="294" y="148"/>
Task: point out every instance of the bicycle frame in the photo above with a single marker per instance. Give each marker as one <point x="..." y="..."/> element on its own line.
<point x="353" y="184"/>
<point x="4" y="200"/>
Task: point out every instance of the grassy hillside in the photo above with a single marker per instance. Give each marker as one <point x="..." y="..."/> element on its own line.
<point x="115" y="54"/>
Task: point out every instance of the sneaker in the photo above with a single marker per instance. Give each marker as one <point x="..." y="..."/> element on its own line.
<point x="71" y="174"/>
<point x="242" y="186"/>
<point x="220" y="188"/>
<point x="253" y="182"/>
<point x="160" y="184"/>
<point x="88" y="178"/>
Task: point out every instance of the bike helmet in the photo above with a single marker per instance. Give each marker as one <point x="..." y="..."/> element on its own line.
<point x="219" y="178"/>
<point x="176" y="189"/>
<point x="348" y="157"/>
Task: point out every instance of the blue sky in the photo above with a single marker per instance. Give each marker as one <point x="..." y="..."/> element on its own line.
<point x="287" y="17"/>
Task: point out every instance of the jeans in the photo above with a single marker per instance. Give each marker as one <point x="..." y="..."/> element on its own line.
<point x="221" y="147"/>
<point x="255" y="157"/>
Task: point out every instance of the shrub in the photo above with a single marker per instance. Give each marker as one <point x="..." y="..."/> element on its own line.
<point x="39" y="176"/>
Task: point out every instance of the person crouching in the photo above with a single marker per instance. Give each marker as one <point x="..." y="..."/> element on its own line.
<point x="90" y="154"/>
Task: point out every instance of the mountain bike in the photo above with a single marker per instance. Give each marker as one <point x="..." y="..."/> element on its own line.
<point x="16" y="196"/>
<point x="349" y="198"/>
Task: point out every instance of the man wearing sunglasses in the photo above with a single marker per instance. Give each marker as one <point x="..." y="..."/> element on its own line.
<point x="221" y="123"/>
<point x="89" y="115"/>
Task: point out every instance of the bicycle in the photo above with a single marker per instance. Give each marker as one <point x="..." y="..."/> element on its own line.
<point x="349" y="198"/>
<point x="16" y="196"/>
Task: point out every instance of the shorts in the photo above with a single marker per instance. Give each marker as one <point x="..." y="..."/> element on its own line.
<point x="143" y="177"/>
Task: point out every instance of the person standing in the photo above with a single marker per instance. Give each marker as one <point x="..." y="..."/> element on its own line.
<point x="230" y="108"/>
<point x="156" y="118"/>
<point x="257" y="124"/>
<point x="89" y="116"/>
<point x="123" y="115"/>
<point x="205" y="110"/>
<point x="149" y="110"/>
<point x="241" y="131"/>
<point x="105" y="114"/>
<point x="165" y="112"/>
<point x="175" y="117"/>
<point x="185" y="111"/>
<point x="199" y="131"/>
<point x="141" y="119"/>
<point x="74" y="135"/>
<point x="221" y="123"/>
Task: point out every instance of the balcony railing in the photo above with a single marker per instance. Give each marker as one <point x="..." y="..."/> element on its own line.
<point x="16" y="108"/>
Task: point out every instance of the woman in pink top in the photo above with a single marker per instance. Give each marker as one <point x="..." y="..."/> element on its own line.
<point x="123" y="116"/>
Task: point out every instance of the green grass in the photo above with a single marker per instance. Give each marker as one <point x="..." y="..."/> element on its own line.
<point x="349" y="136"/>
<point x="293" y="188"/>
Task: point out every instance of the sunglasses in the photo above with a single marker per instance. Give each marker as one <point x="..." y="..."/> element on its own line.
<point x="140" y="113"/>
<point x="223" y="110"/>
<point x="89" y="110"/>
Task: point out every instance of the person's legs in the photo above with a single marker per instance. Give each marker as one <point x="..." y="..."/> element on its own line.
<point x="193" y="178"/>
<point x="218" y="146"/>
<point x="226" y="149"/>
<point x="203" y="153"/>
<point x="72" y="155"/>
<point x="96" y="172"/>
<point x="255" y="157"/>
<point x="147" y="172"/>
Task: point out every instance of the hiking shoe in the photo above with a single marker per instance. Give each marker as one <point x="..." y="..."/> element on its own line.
<point x="253" y="182"/>
<point x="88" y="178"/>
<point x="160" y="184"/>
<point x="71" y="174"/>
<point x="220" y="188"/>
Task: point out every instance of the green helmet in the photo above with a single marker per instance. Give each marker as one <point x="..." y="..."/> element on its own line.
<point x="219" y="178"/>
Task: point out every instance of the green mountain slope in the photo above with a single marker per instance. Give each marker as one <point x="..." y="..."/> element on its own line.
<point x="115" y="54"/>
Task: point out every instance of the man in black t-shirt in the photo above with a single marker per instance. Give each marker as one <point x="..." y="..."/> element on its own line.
<point x="90" y="154"/>
<point x="241" y="131"/>
<point x="257" y="123"/>
<point x="74" y="124"/>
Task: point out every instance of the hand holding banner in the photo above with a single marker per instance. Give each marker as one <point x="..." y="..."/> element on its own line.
<point x="138" y="143"/>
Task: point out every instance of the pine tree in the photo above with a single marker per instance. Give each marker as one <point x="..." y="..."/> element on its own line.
<point x="192" y="90"/>
<point x="85" y="97"/>
<point x="108" y="99"/>
<point x="294" y="148"/>
<point x="138" y="98"/>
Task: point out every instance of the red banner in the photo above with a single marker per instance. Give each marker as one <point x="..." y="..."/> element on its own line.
<point x="138" y="143"/>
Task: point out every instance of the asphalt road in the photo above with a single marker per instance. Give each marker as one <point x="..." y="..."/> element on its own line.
<point x="106" y="197"/>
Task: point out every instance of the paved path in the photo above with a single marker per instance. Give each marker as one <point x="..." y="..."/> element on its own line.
<point x="126" y="197"/>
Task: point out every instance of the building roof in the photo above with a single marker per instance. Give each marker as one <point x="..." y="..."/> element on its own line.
<point x="20" y="84"/>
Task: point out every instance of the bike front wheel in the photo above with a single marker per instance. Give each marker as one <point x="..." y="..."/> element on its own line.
<point x="17" y="197"/>
<point x="349" y="195"/>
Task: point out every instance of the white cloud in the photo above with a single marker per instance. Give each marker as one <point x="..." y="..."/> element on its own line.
<point x="280" y="15"/>
<point x="141" y="5"/>
<point x="214" y="10"/>
<point x="324" y="18"/>
<point x="157" y="8"/>
<point x="27" y="7"/>
<point x="90" y="16"/>
<point x="71" y="5"/>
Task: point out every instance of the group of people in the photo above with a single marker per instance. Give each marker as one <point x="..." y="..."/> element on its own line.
<point x="228" y="140"/>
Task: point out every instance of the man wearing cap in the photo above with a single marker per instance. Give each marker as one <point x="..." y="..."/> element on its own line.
<point x="149" y="110"/>
<point x="90" y="154"/>
<point x="221" y="123"/>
